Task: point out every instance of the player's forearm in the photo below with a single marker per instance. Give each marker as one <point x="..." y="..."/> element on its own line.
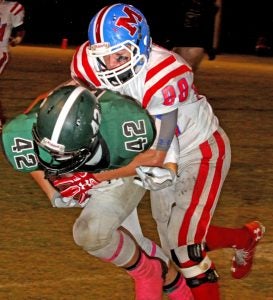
<point x="152" y="158"/>
<point x="44" y="184"/>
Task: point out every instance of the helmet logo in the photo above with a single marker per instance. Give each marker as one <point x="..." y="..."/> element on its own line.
<point x="100" y="46"/>
<point x="131" y="21"/>
<point x="49" y="144"/>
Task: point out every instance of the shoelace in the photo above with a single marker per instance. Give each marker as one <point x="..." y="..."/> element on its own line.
<point x="241" y="256"/>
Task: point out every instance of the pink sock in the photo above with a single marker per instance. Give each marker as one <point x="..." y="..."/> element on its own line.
<point x="180" y="291"/>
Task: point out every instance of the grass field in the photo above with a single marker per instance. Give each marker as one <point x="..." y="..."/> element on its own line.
<point x="38" y="258"/>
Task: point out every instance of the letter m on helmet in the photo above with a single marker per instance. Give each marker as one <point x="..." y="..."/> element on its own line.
<point x="131" y="21"/>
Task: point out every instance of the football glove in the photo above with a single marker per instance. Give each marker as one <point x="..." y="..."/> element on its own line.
<point x="154" y="178"/>
<point x="76" y="186"/>
<point x="65" y="202"/>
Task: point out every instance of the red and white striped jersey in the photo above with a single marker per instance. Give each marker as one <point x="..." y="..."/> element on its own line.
<point x="11" y="15"/>
<point x="165" y="84"/>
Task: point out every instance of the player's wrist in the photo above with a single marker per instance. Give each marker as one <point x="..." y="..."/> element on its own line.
<point x="172" y="167"/>
<point x="63" y="202"/>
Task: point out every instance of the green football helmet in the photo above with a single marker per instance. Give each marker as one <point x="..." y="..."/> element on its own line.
<point x="67" y="128"/>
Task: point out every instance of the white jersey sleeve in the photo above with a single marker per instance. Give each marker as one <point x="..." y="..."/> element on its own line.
<point x="163" y="84"/>
<point x="81" y="68"/>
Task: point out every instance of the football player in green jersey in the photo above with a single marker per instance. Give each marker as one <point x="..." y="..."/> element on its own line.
<point x="71" y="132"/>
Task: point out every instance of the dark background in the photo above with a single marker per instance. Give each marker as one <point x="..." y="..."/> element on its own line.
<point x="49" y="21"/>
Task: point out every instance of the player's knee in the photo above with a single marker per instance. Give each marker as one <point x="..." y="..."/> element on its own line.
<point x="81" y="233"/>
<point x="199" y="269"/>
<point x="86" y="236"/>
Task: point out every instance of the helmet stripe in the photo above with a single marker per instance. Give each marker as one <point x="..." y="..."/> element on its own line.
<point x="64" y="112"/>
<point x="99" y="24"/>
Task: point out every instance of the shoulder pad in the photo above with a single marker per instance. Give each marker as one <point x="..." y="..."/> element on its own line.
<point x="17" y="143"/>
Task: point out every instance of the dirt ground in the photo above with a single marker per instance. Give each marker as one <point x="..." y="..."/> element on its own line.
<point x="38" y="258"/>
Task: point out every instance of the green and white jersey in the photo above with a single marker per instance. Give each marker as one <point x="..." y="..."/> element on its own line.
<point x="126" y="129"/>
<point x="17" y="143"/>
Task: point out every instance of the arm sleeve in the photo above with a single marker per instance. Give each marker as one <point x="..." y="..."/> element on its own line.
<point x="173" y="152"/>
<point x="165" y="126"/>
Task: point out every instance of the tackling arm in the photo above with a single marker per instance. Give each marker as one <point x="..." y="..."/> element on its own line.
<point x="155" y="156"/>
<point x="150" y="157"/>
<point x="155" y="178"/>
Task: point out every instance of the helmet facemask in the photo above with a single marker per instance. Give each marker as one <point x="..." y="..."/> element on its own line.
<point x="57" y="162"/>
<point x="116" y="77"/>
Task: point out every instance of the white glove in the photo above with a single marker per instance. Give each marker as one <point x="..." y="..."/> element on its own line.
<point x="154" y="178"/>
<point x="66" y="202"/>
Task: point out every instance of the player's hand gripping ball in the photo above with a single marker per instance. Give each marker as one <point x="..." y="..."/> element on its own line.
<point x="76" y="186"/>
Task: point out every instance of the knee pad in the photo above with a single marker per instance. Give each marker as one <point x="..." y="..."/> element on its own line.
<point x="182" y="254"/>
<point x="210" y="276"/>
<point x="202" y="271"/>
